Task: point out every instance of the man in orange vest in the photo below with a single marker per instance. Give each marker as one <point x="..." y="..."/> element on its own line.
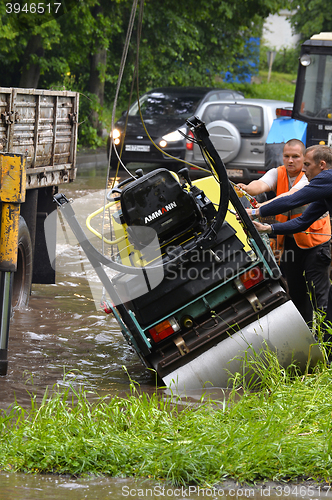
<point x="305" y="257"/>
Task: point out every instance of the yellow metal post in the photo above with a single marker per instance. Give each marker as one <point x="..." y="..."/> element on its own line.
<point x="10" y="214"/>
<point x="12" y="194"/>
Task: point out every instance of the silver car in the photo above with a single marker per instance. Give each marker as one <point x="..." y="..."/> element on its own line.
<point x="238" y="130"/>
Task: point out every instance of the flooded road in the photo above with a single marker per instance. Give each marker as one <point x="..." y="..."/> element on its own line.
<point x="60" y="339"/>
<point x="63" y="338"/>
<point x="62" y="334"/>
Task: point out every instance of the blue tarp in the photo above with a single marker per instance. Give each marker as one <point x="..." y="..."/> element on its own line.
<point x="284" y="129"/>
<point x="248" y="65"/>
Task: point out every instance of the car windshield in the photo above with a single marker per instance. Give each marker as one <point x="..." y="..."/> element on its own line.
<point x="168" y="105"/>
<point x="247" y="119"/>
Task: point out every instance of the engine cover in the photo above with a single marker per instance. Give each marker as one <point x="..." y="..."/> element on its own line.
<point x="157" y="200"/>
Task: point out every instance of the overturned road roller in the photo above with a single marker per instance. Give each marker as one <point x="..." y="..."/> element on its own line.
<point x="194" y="287"/>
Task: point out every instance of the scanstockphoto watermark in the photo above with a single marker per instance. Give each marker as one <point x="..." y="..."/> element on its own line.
<point x="140" y="266"/>
<point x="219" y="255"/>
<point x="213" y="273"/>
<point x="183" y="492"/>
<point x="212" y="265"/>
<point x="195" y="492"/>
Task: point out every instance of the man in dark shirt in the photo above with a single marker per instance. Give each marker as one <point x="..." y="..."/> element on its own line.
<point x="318" y="169"/>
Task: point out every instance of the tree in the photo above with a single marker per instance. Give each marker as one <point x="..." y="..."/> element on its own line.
<point x="182" y="43"/>
<point x="199" y="40"/>
<point x="28" y="30"/>
<point x="311" y="17"/>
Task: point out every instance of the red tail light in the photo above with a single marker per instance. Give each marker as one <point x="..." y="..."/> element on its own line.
<point x="252" y="277"/>
<point x="249" y="279"/>
<point x="164" y="329"/>
<point x="283" y="112"/>
<point x="190" y="144"/>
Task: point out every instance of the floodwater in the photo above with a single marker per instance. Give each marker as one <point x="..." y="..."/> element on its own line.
<point x="62" y="338"/>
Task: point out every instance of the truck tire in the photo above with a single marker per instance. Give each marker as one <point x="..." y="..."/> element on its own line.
<point x="23" y="275"/>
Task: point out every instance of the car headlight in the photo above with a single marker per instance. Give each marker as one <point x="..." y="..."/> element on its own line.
<point x="172" y="137"/>
<point x="116" y="134"/>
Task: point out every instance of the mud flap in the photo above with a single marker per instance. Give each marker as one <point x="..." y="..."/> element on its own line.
<point x="282" y="330"/>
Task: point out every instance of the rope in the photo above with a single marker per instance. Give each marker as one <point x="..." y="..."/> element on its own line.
<point x="121" y="70"/>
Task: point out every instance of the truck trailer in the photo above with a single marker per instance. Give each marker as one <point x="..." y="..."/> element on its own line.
<point x="38" y="144"/>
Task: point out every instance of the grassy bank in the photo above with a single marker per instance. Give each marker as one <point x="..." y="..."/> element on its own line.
<point x="280" y="87"/>
<point x="282" y="431"/>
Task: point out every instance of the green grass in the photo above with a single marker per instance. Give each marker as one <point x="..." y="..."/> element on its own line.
<point x="280" y="87"/>
<point x="282" y="431"/>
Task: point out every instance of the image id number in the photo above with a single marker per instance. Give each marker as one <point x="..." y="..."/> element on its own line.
<point x="32" y="8"/>
<point x="303" y="491"/>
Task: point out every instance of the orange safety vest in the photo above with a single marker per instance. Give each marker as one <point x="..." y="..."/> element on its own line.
<point x="319" y="232"/>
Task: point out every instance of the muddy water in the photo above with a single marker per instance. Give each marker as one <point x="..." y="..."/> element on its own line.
<point x="60" y="339"/>
<point x="63" y="338"/>
<point x="63" y="335"/>
<point x="24" y="487"/>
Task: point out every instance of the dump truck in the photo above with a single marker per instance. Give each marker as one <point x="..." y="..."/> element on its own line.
<point x="310" y="120"/>
<point x="38" y="143"/>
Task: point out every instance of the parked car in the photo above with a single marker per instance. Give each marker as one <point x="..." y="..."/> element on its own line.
<point x="164" y="112"/>
<point x="238" y="130"/>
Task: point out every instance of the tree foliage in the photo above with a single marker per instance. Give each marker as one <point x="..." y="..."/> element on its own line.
<point x="311" y="17"/>
<point x="182" y="43"/>
<point x="198" y="39"/>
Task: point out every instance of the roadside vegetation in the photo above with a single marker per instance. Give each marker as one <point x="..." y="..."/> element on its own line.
<point x="277" y="430"/>
<point x="78" y="46"/>
<point x="281" y="87"/>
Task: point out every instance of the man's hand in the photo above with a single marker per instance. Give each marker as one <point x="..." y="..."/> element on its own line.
<point x="255" y="187"/>
<point x="262" y="228"/>
<point x="253" y="212"/>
